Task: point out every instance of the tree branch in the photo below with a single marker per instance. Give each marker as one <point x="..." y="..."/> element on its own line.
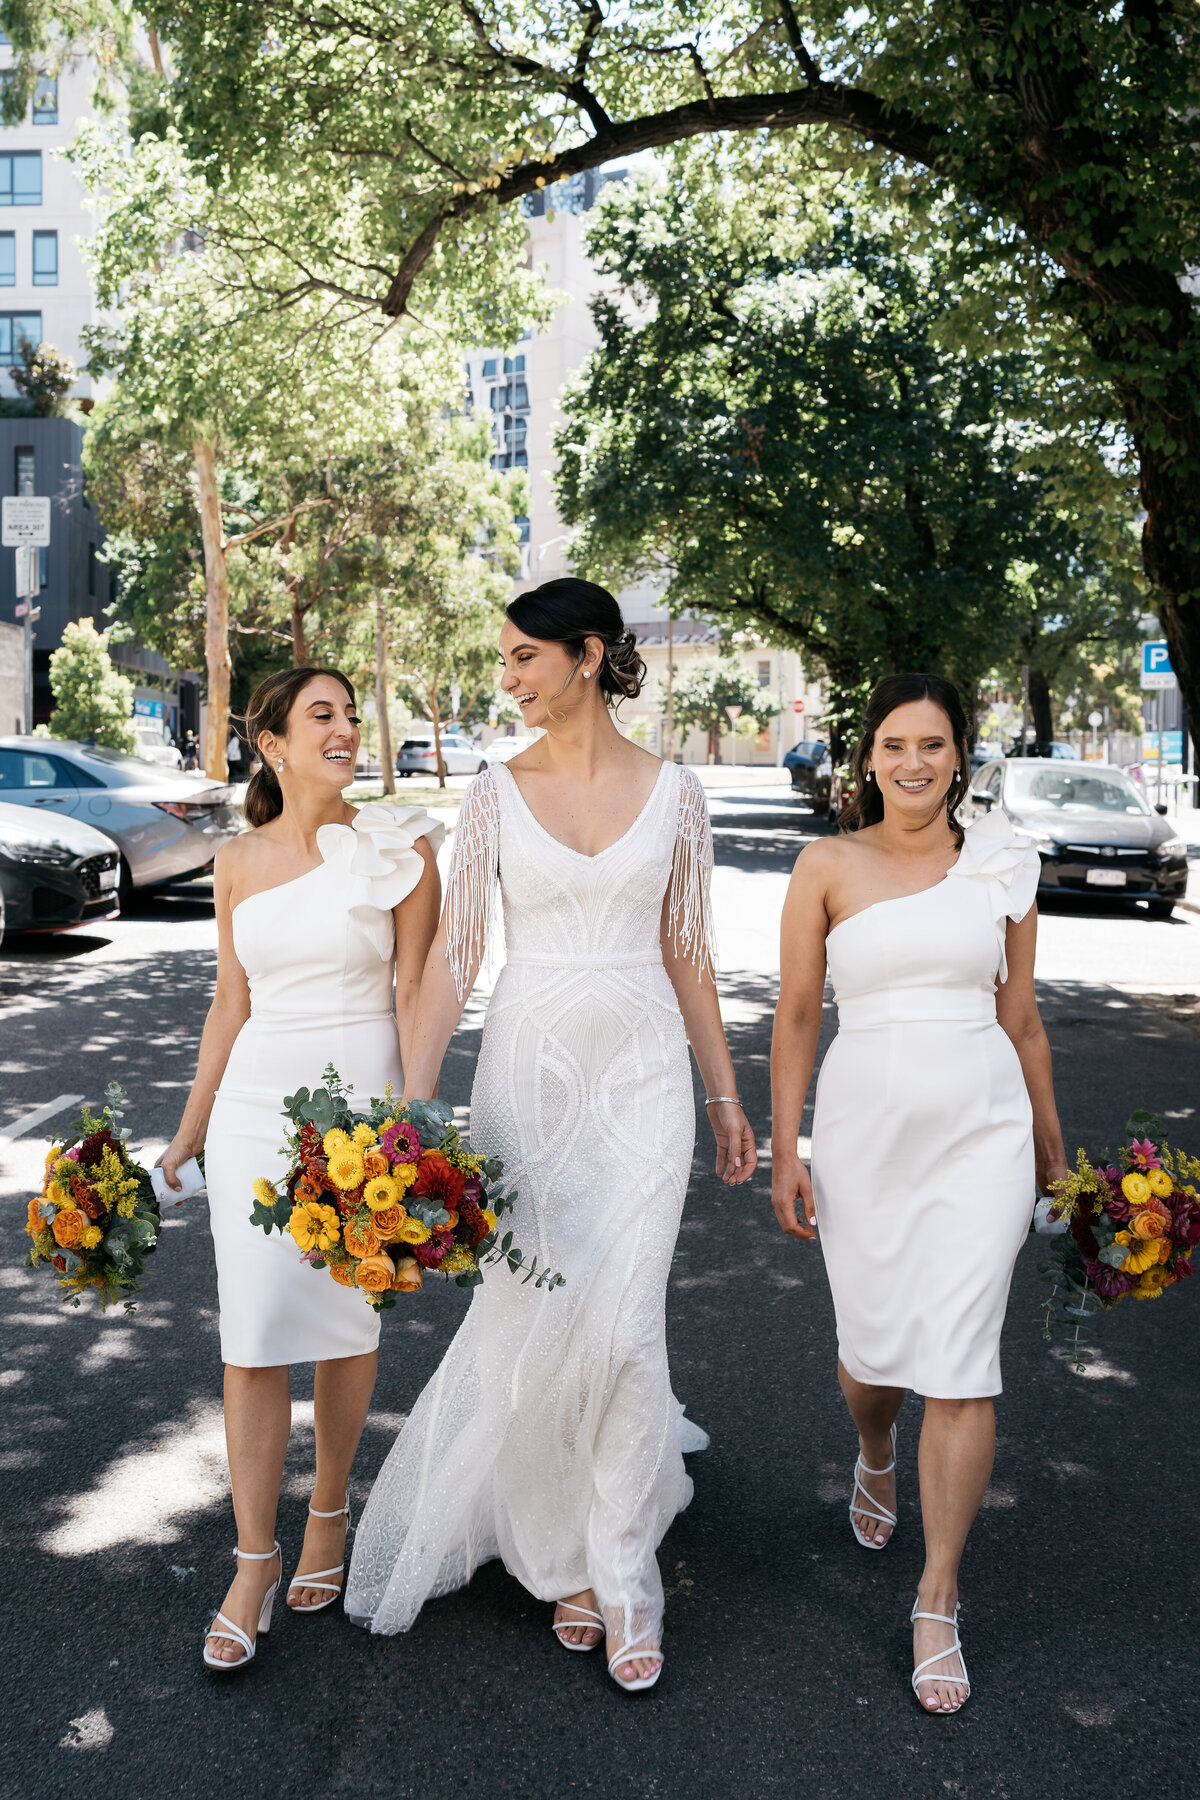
<point x="791" y="25"/>
<point x="277" y="524"/>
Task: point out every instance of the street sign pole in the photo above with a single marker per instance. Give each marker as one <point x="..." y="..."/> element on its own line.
<point x="1158" y="772"/>
<point x="25" y="528"/>
<point x="735" y="713"/>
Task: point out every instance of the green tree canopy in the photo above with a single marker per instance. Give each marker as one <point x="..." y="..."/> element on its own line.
<point x="699" y="700"/>
<point x="92" y="702"/>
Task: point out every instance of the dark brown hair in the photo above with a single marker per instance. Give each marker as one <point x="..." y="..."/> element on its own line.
<point x="570" y="611"/>
<point x="269" y="709"/>
<point x="866" y="808"/>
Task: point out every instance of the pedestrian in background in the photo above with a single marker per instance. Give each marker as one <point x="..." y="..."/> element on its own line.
<point x="190" y="751"/>
<point x="233" y="756"/>
<point x="934" y="1118"/>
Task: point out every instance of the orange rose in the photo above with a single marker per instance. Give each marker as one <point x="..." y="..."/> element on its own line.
<point x="388" y="1220"/>
<point x="36" y="1220"/>
<point x="360" y="1240"/>
<point x="68" y="1227"/>
<point x="343" y="1273"/>
<point x="1147" y="1224"/>
<point x="376" y="1163"/>
<point x="453" y="1221"/>
<point x="375" y="1273"/>
<point x="408" y="1275"/>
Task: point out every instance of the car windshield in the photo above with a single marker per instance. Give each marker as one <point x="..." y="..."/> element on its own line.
<point x="1042" y="789"/>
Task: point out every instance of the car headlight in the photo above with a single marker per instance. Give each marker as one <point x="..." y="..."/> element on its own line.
<point x="1174" y="850"/>
<point x="36" y="850"/>
<point x="1046" y="846"/>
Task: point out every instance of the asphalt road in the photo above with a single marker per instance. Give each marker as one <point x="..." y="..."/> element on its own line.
<point x="787" y="1646"/>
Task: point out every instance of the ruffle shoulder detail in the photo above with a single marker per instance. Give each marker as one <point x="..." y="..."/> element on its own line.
<point x="379" y="855"/>
<point x="993" y="852"/>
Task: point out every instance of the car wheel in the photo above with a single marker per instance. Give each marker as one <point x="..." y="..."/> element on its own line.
<point x="126" y="892"/>
<point x="481" y="767"/>
<point x="1160" y="909"/>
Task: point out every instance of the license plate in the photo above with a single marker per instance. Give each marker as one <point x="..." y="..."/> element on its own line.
<point x="109" y="878"/>
<point x="1106" y="877"/>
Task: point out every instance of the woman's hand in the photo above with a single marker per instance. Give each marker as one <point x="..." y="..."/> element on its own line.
<point x="790" y="1182"/>
<point x="737" y="1157"/>
<point x="177" y="1152"/>
<point x="1051" y="1166"/>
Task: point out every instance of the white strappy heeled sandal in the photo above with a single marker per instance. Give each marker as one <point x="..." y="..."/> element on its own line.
<point x="883" y="1516"/>
<point x="234" y="1633"/>
<point x="955" y="1649"/>
<point x="315" y="1580"/>
<point x="641" y="1682"/>
<point x="589" y="1619"/>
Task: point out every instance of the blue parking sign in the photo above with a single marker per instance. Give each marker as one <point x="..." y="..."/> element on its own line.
<point x="1156" y="665"/>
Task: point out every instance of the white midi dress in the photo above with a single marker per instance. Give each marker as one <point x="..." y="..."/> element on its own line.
<point x="549" y="1436"/>
<point x="922" y="1144"/>
<point x="319" y="955"/>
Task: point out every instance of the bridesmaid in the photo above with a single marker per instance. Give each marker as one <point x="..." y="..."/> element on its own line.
<point x="934" y="1113"/>
<point x="325" y="915"/>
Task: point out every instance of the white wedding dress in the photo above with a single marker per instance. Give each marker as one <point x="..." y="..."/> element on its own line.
<point x="922" y="1145"/>
<point x="319" y="955"/>
<point x="549" y="1435"/>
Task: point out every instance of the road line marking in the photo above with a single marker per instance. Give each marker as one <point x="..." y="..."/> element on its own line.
<point x="28" y="1121"/>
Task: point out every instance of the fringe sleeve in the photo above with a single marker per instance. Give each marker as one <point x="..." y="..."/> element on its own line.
<point x="689" y="899"/>
<point x="470" y="913"/>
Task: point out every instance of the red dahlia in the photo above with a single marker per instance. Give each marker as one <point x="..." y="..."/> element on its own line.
<point x="438" y="1180"/>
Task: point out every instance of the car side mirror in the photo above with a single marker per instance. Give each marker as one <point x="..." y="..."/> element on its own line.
<point x="1161" y="807"/>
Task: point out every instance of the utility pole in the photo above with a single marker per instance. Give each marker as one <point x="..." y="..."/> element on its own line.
<point x="26" y="529"/>
<point x="670" y="688"/>
<point x="1024" y="709"/>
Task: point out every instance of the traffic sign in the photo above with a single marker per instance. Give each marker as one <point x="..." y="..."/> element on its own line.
<point x="735" y="713"/>
<point x="797" y="706"/>
<point x="1095" y="718"/>
<point x="25" y="519"/>
<point x="1156" y="665"/>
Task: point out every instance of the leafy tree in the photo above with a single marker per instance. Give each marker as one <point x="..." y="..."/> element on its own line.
<point x="92" y="702"/>
<point x="44" y="376"/>
<point x="778" y="426"/>
<point x="699" y="699"/>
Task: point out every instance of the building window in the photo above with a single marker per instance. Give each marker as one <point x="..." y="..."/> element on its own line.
<point x="21" y="178"/>
<point x="489" y="368"/>
<point x="8" y="259"/>
<point x="45" y="100"/>
<point x="17" y="329"/>
<point x="25" y="470"/>
<point x="45" y="259"/>
<point x="764" y="674"/>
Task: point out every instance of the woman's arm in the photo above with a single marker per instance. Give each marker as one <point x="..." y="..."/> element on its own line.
<point x="416" y="922"/>
<point x="794" y="1039"/>
<point x="701" y="1009"/>
<point x="438" y="1011"/>
<point x="1017" y="1011"/>
<point x="228" y="1013"/>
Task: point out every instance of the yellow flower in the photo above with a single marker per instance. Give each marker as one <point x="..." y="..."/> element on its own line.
<point x="1161" y="1185"/>
<point x="264" y="1190"/>
<point x="404" y="1174"/>
<point x="1141" y="1256"/>
<point x="413" y="1232"/>
<point x="115" y="1186"/>
<point x="314" y="1226"/>
<point x="1135" y="1188"/>
<point x="346" y="1168"/>
<point x="91" y="1237"/>
<point x="490" y="1216"/>
<point x="1151" y="1285"/>
<point x="335" y="1140"/>
<point x="457" y="1260"/>
<point x="58" y="1195"/>
<point x="381" y="1192"/>
<point x="364" y="1137"/>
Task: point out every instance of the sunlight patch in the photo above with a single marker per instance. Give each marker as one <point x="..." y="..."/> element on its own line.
<point x="146" y="1495"/>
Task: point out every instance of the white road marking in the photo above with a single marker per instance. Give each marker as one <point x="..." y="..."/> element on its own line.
<point x="28" y="1121"/>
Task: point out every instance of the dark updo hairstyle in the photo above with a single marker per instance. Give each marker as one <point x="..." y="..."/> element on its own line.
<point x="269" y="709"/>
<point x="866" y="808"/>
<point x="568" y="612"/>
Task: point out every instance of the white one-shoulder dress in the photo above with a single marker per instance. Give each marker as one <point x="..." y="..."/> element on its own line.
<point x="319" y="955"/>
<point x="922" y="1144"/>
<point x="549" y="1435"/>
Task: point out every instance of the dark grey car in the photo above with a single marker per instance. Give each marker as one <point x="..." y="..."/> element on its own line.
<point x="54" y="872"/>
<point x="1093" y="828"/>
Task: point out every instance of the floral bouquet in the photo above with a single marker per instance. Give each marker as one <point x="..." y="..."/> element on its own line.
<point x="379" y="1196"/>
<point x="96" y="1218"/>
<point x="1130" y="1226"/>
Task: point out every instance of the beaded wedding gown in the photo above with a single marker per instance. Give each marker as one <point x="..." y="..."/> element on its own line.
<point x="549" y="1435"/>
<point x="320" y="958"/>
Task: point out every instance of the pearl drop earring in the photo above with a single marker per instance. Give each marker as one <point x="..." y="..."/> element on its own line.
<point x="279" y="766"/>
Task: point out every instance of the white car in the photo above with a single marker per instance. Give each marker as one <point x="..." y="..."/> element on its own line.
<point x="154" y="745"/>
<point x="503" y="749"/>
<point x="461" y="756"/>
<point x="167" y="825"/>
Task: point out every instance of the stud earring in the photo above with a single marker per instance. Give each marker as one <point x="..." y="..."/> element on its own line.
<point x="587" y="674"/>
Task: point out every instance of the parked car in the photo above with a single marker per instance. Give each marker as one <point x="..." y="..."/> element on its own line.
<point x="1043" y="747"/>
<point x="503" y="749"/>
<point x="1093" y="828"/>
<point x="154" y="744"/>
<point x="841" y="791"/>
<point x="167" y="825"/>
<point x="461" y="756"/>
<point x="809" y="766"/>
<point x="55" y="873"/>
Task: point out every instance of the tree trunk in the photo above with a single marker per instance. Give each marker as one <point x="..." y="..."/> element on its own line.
<point x="216" y="620"/>
<point x="436" y="716"/>
<point x="1040" y="705"/>
<point x="387" y="762"/>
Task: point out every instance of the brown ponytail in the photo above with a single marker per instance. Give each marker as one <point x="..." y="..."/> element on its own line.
<point x="269" y="709"/>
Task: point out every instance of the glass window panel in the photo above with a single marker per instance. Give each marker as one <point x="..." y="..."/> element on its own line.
<point x="21" y="178"/>
<point x="25" y="470"/>
<point x="8" y="259"/>
<point x="520" y="395"/>
<point x="45" y="101"/>
<point x="489" y="368"/>
<point x="508" y="365"/>
<point x="519" y="364"/>
<point x="45" y="259"/>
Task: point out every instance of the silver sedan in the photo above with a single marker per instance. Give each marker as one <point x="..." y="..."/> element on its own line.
<point x="166" y="825"/>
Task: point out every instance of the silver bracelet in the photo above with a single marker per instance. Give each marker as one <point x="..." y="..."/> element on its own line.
<point x="721" y="1100"/>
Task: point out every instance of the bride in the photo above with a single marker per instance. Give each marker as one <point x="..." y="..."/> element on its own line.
<point x="549" y="1435"/>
